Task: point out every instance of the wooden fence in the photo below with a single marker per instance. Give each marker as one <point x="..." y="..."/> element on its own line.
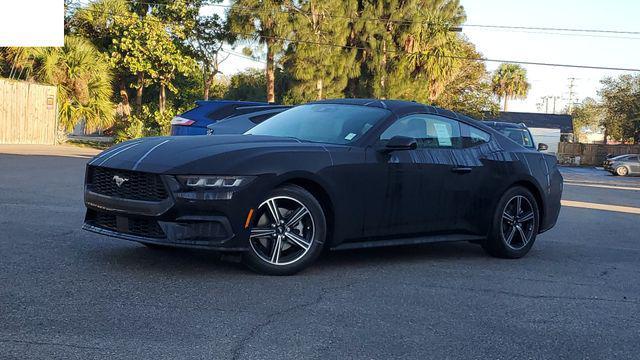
<point x="592" y="154"/>
<point x="28" y="113"/>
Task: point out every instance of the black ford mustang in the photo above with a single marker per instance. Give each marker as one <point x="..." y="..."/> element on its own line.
<point x="331" y="174"/>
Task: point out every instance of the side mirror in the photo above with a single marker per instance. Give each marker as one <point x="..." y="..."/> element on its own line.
<point x="543" y="147"/>
<point x="401" y="143"/>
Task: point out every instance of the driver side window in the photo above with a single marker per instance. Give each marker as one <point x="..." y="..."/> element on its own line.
<point x="430" y="131"/>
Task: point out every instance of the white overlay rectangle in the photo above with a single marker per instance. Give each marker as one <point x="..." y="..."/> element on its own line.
<point x="31" y="23"/>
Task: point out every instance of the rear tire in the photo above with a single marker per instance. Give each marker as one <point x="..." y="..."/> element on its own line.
<point x="515" y="225"/>
<point x="288" y="232"/>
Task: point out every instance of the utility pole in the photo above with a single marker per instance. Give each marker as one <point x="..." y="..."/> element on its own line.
<point x="545" y="100"/>
<point x="572" y="93"/>
<point x="545" y="103"/>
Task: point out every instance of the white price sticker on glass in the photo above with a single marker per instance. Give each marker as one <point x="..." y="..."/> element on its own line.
<point x="443" y="134"/>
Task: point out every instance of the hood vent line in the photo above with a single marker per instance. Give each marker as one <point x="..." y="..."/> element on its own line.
<point x="135" y="167"/>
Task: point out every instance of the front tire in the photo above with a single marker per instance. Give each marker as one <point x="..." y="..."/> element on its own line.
<point x="515" y="225"/>
<point x="622" y="171"/>
<point x="288" y="232"/>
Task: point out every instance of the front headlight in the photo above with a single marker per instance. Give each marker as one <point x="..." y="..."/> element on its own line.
<point x="214" y="182"/>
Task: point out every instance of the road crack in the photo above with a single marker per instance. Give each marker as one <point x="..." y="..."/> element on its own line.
<point x="274" y="317"/>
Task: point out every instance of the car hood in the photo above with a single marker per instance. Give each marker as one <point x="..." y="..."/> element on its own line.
<point x="191" y="154"/>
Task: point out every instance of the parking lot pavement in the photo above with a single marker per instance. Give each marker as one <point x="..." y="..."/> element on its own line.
<point x="598" y="176"/>
<point x="599" y="186"/>
<point x="70" y="294"/>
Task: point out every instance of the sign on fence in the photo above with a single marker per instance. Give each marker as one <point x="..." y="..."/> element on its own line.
<point x="28" y="113"/>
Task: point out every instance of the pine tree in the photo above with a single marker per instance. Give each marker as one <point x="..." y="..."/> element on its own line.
<point x="410" y="48"/>
<point x="268" y="22"/>
<point x="320" y="71"/>
<point x="468" y="89"/>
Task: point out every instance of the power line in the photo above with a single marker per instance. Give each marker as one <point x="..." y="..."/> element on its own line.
<point x="521" y="62"/>
<point x="584" y="32"/>
<point x="558" y="33"/>
<point x="243" y="56"/>
<point x="463" y="25"/>
<point x="554" y="29"/>
<point x="447" y="56"/>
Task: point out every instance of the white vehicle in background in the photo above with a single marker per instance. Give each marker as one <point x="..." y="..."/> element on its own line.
<point x="550" y="137"/>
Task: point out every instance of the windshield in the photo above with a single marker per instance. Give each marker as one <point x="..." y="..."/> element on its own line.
<point x="328" y="123"/>
<point x="521" y="136"/>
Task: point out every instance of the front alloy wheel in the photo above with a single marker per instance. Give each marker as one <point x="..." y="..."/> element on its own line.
<point x="622" y="171"/>
<point x="284" y="231"/>
<point x="287" y="232"/>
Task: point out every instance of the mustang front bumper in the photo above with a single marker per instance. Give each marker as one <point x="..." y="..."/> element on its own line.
<point x="212" y="233"/>
<point x="209" y="220"/>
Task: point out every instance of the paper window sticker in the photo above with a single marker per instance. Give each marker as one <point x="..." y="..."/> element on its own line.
<point x="444" y="138"/>
<point x="350" y="136"/>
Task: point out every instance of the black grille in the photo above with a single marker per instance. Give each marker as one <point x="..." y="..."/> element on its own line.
<point x="139" y="185"/>
<point x="133" y="226"/>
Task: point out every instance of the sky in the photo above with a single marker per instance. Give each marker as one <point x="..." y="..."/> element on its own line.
<point x="608" y="50"/>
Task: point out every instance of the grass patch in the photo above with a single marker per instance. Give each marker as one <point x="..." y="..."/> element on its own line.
<point x="100" y="145"/>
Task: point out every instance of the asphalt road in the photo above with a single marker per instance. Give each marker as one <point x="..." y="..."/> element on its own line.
<point x="69" y="294"/>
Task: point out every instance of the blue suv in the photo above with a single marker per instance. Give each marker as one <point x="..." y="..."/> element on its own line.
<point x="196" y="120"/>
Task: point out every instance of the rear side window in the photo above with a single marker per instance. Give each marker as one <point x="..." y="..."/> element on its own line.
<point x="222" y="112"/>
<point x="521" y="136"/>
<point x="260" y="118"/>
<point x="219" y="112"/>
<point x="195" y="112"/>
<point x="472" y="136"/>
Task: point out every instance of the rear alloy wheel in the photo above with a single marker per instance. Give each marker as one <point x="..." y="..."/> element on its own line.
<point x="287" y="232"/>
<point x="515" y="225"/>
<point x="622" y="171"/>
<point x="518" y="222"/>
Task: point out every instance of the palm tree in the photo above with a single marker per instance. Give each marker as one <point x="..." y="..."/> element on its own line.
<point x="510" y="82"/>
<point x="83" y="77"/>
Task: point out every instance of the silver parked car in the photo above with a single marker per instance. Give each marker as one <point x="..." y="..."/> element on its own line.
<point x="623" y="165"/>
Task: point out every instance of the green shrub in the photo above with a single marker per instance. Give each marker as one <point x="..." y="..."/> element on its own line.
<point x="147" y="122"/>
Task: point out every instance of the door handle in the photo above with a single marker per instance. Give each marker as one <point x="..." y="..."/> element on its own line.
<point x="461" y="170"/>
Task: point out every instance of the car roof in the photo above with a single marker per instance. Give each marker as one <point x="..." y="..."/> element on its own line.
<point x="398" y="107"/>
<point x="226" y="102"/>
<point x="249" y="115"/>
<point x="265" y="107"/>
<point x="503" y="125"/>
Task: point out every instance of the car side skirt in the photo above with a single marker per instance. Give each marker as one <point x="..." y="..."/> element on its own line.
<point x="408" y="241"/>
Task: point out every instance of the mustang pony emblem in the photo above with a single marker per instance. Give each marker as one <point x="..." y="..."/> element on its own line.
<point x="120" y="180"/>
